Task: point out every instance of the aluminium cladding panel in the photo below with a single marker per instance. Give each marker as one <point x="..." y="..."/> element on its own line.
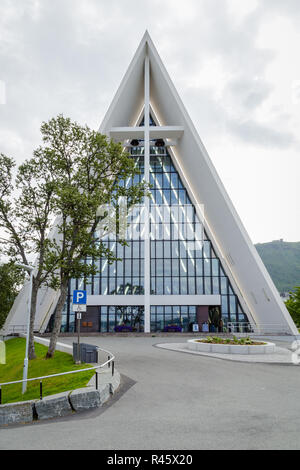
<point x="154" y="300"/>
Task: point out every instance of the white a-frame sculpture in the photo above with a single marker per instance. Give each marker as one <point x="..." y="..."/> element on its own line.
<point x="145" y="90"/>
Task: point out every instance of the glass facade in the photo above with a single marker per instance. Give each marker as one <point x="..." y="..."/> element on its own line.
<point x="182" y="258"/>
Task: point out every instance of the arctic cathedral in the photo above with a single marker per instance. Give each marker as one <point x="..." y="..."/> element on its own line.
<point x="189" y="263"/>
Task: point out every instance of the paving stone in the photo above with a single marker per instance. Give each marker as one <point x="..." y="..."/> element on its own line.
<point x="14" y="413"/>
<point x="53" y="406"/>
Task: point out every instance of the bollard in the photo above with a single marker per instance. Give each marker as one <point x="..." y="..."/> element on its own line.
<point x="109" y="362"/>
<point x="0" y="395"/>
<point x="41" y="390"/>
<point x="113" y="368"/>
<point x="96" y="378"/>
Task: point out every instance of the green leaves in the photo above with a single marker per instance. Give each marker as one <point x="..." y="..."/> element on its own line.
<point x="11" y="278"/>
<point x="293" y="306"/>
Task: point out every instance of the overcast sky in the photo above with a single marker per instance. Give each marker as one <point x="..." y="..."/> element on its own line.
<point x="235" y="64"/>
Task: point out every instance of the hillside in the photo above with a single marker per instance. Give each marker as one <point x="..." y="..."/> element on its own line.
<point x="282" y="260"/>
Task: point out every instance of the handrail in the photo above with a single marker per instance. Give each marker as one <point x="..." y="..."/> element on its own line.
<point x="259" y="328"/>
<point x="110" y="361"/>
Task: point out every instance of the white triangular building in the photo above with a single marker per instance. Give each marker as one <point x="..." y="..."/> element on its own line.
<point x="171" y="281"/>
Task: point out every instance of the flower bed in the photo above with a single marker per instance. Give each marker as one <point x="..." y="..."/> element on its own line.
<point x="230" y="346"/>
<point x="235" y="341"/>
<point x="172" y="328"/>
<point x="122" y="328"/>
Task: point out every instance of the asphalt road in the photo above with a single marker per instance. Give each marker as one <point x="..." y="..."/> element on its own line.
<point x="172" y="400"/>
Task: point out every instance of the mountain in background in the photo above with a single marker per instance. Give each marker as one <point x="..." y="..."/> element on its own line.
<point x="282" y="260"/>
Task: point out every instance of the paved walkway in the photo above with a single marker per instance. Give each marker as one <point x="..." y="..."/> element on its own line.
<point x="171" y="400"/>
<point x="280" y="356"/>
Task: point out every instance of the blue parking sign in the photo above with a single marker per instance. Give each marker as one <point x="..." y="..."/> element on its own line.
<point x="79" y="297"/>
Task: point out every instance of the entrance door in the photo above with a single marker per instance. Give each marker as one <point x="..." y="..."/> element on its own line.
<point x="90" y="320"/>
<point x="203" y="317"/>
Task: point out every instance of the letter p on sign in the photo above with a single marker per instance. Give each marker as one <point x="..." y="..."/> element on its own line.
<point x="79" y="297"/>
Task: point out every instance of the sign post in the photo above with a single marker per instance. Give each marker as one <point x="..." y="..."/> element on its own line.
<point x="79" y="305"/>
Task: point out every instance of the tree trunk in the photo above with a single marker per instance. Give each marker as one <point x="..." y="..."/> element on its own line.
<point x="34" y="294"/>
<point x="57" y="319"/>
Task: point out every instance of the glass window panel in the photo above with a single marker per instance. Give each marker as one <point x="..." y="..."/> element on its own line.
<point x="104" y="288"/>
<point x="120" y="251"/>
<point x="112" y="285"/>
<point x="167" y="283"/>
<point x="183" y="267"/>
<point x="192" y="285"/>
<point x="174" y="180"/>
<point x="159" y="267"/>
<point x="199" y="267"/>
<point x="103" y="322"/>
<point x="152" y="267"/>
<point x="142" y="249"/>
<point x="215" y="267"/>
<point x="88" y="289"/>
<point x="96" y="285"/>
<point x="183" y="286"/>
<point x="207" y="270"/>
<point x="167" y="267"/>
<point x="120" y="267"/>
<point x="224" y="304"/>
<point x="136" y="286"/>
<point x="207" y="282"/>
<point x="159" y="286"/>
<point x="175" y="249"/>
<point x="159" y="249"/>
<point x="232" y="304"/>
<point x="181" y="196"/>
<point x="153" y="249"/>
<point x="166" y="181"/>
<point x="152" y="287"/>
<point x="175" y="285"/>
<point x="167" y="249"/>
<point x="199" y="285"/>
<point x="128" y="267"/>
<point x="104" y="267"/>
<point x="216" y="287"/>
<point x="113" y="269"/>
<point x="183" y="249"/>
<point x="224" y="283"/>
<point x="175" y="266"/>
<point x="127" y="286"/>
<point x="167" y="196"/>
<point x="206" y="249"/>
<point x="191" y="267"/>
<point x="135" y="249"/>
<point x="135" y="267"/>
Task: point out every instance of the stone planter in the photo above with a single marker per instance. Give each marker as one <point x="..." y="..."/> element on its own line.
<point x="195" y="345"/>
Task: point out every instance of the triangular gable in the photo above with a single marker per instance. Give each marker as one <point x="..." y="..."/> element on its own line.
<point x="251" y="281"/>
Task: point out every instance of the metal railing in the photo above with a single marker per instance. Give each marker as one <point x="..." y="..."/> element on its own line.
<point x="258" y="329"/>
<point x="109" y="363"/>
<point x="16" y="329"/>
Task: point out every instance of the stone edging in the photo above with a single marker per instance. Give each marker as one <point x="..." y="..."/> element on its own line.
<point x="195" y="345"/>
<point x="62" y="404"/>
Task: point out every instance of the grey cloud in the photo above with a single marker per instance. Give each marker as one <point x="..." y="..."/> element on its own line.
<point x="69" y="56"/>
<point x="259" y="134"/>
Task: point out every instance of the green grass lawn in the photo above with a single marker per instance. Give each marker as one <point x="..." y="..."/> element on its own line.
<point x="61" y="362"/>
